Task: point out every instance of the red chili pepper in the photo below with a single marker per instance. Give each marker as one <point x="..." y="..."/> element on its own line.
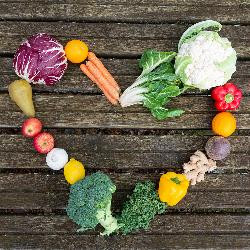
<point x="227" y="97"/>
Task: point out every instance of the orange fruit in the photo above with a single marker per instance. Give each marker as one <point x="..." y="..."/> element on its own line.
<point x="224" y="124"/>
<point x="76" y="51"/>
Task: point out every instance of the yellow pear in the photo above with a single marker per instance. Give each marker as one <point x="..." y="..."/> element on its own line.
<point x="20" y="92"/>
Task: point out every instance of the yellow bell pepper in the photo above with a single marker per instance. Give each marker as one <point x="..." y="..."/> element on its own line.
<point x="172" y="188"/>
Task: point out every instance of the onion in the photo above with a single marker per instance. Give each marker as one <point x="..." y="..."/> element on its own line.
<point x="57" y="158"/>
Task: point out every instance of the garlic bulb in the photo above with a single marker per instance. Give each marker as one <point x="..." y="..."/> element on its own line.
<point x="57" y="158"/>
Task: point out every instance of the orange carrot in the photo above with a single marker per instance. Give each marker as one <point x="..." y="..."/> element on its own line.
<point x="86" y="71"/>
<point x="92" y="57"/>
<point x="102" y="80"/>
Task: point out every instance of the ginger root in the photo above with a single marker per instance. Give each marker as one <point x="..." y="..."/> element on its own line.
<point x="198" y="165"/>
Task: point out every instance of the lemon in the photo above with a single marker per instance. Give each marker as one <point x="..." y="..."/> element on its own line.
<point x="74" y="171"/>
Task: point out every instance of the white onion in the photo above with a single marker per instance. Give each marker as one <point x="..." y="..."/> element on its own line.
<point x="57" y="158"/>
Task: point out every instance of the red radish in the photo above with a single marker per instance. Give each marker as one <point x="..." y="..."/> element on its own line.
<point x="31" y="127"/>
<point x="44" y="143"/>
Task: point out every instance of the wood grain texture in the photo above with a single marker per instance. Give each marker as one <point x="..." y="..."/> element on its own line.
<point x="163" y="224"/>
<point x="118" y="152"/>
<point x="95" y="112"/>
<point x="114" y="39"/>
<point x="53" y="182"/>
<point x="132" y="11"/>
<point x="124" y="70"/>
<point x="97" y="103"/>
<point x="195" y="201"/>
<point x="94" y="143"/>
<point x="219" y="241"/>
<point x="213" y="215"/>
<point x="122" y="161"/>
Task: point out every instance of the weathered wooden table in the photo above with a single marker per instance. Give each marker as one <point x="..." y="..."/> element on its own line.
<point x="127" y="144"/>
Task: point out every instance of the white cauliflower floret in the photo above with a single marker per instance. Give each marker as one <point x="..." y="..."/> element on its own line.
<point x="205" y="60"/>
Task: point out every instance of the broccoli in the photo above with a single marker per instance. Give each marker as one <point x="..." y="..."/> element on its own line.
<point x="141" y="208"/>
<point x="90" y="203"/>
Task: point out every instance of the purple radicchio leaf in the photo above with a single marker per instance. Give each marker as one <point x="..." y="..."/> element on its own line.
<point x="41" y="59"/>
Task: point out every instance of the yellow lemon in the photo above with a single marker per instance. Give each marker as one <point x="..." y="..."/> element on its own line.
<point x="74" y="171"/>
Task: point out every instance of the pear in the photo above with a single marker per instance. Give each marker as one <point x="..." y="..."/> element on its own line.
<point x="20" y="92"/>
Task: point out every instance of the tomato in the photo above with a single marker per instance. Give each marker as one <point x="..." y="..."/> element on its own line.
<point x="76" y="51"/>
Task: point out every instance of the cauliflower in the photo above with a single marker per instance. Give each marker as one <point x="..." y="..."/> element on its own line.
<point x="205" y="60"/>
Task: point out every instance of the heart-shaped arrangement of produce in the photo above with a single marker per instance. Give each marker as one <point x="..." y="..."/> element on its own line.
<point x="204" y="60"/>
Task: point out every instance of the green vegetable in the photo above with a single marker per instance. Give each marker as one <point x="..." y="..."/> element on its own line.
<point x="205" y="60"/>
<point x="152" y="59"/>
<point x="155" y="87"/>
<point x="161" y="113"/>
<point x="141" y="208"/>
<point x="90" y="202"/>
<point x="208" y="25"/>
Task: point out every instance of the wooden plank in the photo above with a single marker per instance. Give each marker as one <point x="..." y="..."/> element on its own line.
<point x="97" y="103"/>
<point x="134" y="11"/>
<point x="164" y="224"/>
<point x="109" y="151"/>
<point x="118" y="120"/>
<point x="94" y="143"/>
<point x="95" y="112"/>
<point x="219" y="241"/>
<point x="123" y="40"/>
<point x="52" y="182"/>
<point x="124" y="70"/>
<point x="64" y="30"/>
<point x="118" y="152"/>
<point x="195" y="201"/>
<point x="123" y="120"/>
<point x="123" y="161"/>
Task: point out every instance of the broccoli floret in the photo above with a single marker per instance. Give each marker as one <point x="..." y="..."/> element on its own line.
<point x="141" y="208"/>
<point x="90" y="203"/>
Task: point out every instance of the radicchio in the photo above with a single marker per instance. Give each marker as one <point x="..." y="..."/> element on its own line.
<point x="41" y="59"/>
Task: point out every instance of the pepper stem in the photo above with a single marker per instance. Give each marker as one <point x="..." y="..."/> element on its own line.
<point x="176" y="180"/>
<point x="229" y="98"/>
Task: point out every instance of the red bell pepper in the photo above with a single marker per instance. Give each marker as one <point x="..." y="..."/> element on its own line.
<point x="227" y="97"/>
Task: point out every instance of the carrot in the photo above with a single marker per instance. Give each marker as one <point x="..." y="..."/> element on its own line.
<point x="86" y="71"/>
<point x="92" y="57"/>
<point x="102" y="80"/>
<point x="90" y="70"/>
